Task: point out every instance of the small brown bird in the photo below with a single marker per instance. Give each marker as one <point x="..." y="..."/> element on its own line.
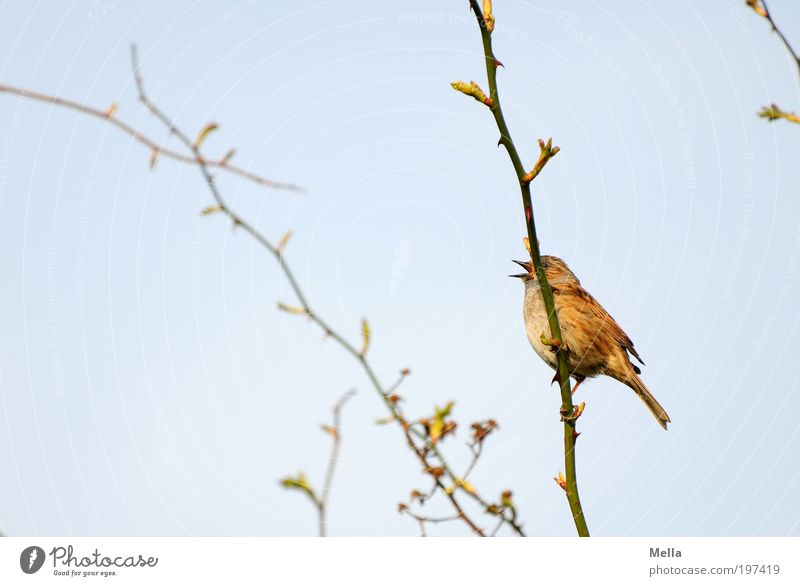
<point x="595" y="344"/>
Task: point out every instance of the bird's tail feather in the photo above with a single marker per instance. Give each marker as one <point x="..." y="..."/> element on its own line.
<point x="655" y="407"/>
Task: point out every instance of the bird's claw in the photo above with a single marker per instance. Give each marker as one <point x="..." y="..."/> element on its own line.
<point x="576" y="412"/>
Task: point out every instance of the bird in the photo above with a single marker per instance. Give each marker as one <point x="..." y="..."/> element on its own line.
<point x="594" y="343"/>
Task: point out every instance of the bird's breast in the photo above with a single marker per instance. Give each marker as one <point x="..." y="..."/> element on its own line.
<point x="536" y="324"/>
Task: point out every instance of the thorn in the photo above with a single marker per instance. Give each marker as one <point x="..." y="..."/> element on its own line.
<point x="498" y="63"/>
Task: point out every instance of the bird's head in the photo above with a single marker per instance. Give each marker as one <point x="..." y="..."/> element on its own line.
<point x="555" y="269"/>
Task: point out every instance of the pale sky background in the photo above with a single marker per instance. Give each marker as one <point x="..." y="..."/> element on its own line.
<point x="148" y="386"/>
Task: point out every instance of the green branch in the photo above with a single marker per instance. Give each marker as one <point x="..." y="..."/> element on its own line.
<point x="486" y="24"/>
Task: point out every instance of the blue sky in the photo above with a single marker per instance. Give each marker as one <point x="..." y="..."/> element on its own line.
<point x="148" y="386"/>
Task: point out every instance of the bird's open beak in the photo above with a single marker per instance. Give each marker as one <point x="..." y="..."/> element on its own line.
<point x="525" y="265"/>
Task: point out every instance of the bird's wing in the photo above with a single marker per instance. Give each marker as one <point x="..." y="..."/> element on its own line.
<point x="590" y="310"/>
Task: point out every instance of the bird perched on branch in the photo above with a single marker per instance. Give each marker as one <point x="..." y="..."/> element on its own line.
<point x="594" y="343"/>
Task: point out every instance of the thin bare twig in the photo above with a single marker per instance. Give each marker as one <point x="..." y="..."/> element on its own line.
<point x="486" y="505"/>
<point x="773" y="111"/>
<point x="480" y="431"/>
<point x="497" y="528"/>
<point x="424" y="519"/>
<point x="768" y="15"/>
<point x="301" y="483"/>
<point x="422" y="532"/>
<point x="156" y="149"/>
<point x="423" y="451"/>
<point x="477" y="451"/>
<point x="424" y="448"/>
<point x="335" y="431"/>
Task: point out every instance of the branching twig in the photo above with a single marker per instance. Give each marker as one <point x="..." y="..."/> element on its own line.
<point x="774" y="112"/>
<point x="300" y="481"/>
<point x="335" y="431"/>
<point x="157" y="150"/>
<point x="492" y="101"/>
<point x="477" y="450"/>
<point x="423" y="445"/>
<point x="480" y="430"/>
<point x="426" y="448"/>
<point x="768" y="15"/>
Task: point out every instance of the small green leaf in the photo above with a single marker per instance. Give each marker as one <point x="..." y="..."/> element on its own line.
<point x="330" y="429"/>
<point x="488" y="18"/>
<point x="294" y="310"/>
<point x="437" y="426"/>
<point x="207" y="211"/>
<point x="445" y="411"/>
<point x="299" y="482"/>
<point x="283" y="241"/>
<point x="471" y="89"/>
<point x="460" y="482"/>
<point x="366" y="336"/>
<point x="207" y="129"/>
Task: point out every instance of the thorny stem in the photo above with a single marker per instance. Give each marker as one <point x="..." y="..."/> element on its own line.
<point x="567" y="408"/>
<point x="420" y="452"/>
<point x="158" y="149"/>
<point x="773" y="111"/>
<point x="792" y="52"/>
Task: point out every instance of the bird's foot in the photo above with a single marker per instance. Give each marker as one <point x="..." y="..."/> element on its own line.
<point x="576" y="412"/>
